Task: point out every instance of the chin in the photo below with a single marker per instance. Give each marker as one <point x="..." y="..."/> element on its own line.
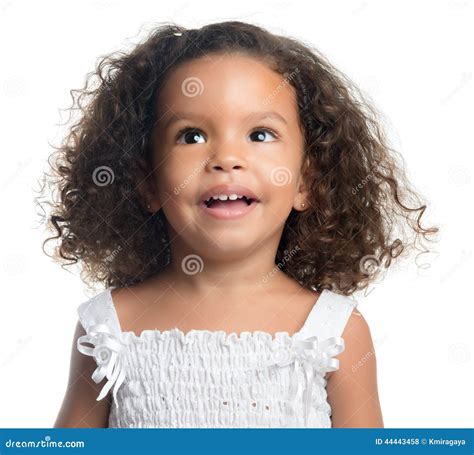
<point x="228" y="247"/>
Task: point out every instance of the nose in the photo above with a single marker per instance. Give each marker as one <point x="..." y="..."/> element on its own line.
<point x="226" y="158"/>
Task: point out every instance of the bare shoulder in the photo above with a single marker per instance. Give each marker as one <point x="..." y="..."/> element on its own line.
<point x="79" y="406"/>
<point x="358" y="344"/>
<point x="352" y="389"/>
<point x="357" y="329"/>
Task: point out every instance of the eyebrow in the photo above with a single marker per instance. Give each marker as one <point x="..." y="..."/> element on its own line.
<point x="176" y="116"/>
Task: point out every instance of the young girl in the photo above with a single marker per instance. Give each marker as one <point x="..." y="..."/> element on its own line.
<point x="232" y="190"/>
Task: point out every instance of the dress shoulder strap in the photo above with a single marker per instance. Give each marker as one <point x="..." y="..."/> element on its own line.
<point x="100" y="321"/>
<point x="329" y="316"/>
<point x="99" y="310"/>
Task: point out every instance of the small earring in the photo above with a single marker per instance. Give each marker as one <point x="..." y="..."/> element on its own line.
<point x="148" y="206"/>
<point x="302" y="205"/>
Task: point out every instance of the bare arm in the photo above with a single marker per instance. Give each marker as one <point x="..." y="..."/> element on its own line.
<point x="352" y="390"/>
<point x="80" y="407"/>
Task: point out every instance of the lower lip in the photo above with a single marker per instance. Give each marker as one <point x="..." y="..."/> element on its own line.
<point x="228" y="213"/>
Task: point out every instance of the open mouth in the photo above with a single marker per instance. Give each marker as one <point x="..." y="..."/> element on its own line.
<point x="230" y="207"/>
<point x="241" y="202"/>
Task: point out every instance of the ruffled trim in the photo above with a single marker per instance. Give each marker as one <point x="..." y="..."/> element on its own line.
<point x="199" y="335"/>
<point x="106" y="351"/>
<point x="314" y="358"/>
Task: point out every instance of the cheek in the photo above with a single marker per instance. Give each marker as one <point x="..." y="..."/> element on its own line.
<point x="280" y="202"/>
<point x="280" y="177"/>
<point x="279" y="162"/>
<point x="176" y="178"/>
<point x="177" y="183"/>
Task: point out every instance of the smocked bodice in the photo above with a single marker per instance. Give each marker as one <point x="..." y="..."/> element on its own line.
<point x="212" y="379"/>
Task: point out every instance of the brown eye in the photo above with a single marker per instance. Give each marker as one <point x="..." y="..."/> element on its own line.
<point x="190" y="136"/>
<point x="261" y="134"/>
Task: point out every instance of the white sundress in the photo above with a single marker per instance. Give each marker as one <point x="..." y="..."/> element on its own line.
<point x="212" y="379"/>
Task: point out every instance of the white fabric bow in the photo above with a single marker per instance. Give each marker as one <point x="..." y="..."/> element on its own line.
<point x="106" y="352"/>
<point x="310" y="355"/>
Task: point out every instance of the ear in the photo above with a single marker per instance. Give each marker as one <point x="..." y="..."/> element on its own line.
<point x="301" y="200"/>
<point x="146" y="188"/>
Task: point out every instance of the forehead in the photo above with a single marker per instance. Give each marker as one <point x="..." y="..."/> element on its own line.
<point x="227" y="86"/>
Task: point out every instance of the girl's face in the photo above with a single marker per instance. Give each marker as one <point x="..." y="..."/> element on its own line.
<point x="226" y="119"/>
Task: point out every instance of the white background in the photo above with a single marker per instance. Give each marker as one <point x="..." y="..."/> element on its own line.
<point x="414" y="60"/>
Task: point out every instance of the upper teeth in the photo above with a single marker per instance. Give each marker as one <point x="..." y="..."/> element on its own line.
<point x="225" y="197"/>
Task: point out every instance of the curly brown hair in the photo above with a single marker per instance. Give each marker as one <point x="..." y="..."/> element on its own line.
<point x="355" y="180"/>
